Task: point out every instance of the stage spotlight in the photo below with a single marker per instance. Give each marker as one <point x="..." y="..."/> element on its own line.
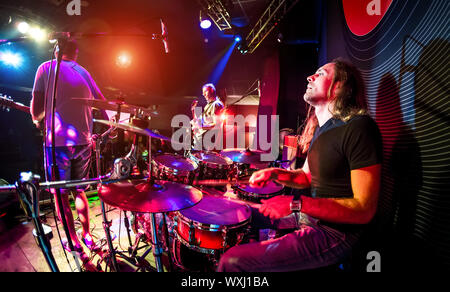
<point x="243" y="48"/>
<point x="237" y="38"/>
<point x="205" y="23"/>
<point x="123" y="60"/>
<point x="23" y="27"/>
<point x="10" y="59"/>
<point x="37" y="33"/>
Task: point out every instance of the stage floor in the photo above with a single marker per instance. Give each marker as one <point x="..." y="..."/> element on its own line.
<point x="19" y="251"/>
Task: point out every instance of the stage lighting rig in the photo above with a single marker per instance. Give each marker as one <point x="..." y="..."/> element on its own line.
<point x="271" y="17"/>
<point x="217" y="13"/>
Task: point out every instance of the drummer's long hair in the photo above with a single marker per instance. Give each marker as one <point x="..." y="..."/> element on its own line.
<point x="350" y="100"/>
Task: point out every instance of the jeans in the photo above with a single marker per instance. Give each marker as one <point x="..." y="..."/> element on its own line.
<point x="312" y="245"/>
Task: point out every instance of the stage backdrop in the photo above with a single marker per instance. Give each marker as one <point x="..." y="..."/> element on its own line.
<point x="405" y="62"/>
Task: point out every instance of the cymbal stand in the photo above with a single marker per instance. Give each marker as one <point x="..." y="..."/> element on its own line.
<point x="112" y="255"/>
<point x="106" y="224"/>
<point x="138" y="262"/>
<point x="156" y="245"/>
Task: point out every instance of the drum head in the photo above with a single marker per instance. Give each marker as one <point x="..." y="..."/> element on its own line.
<point x="271" y="188"/>
<point x="176" y="162"/>
<point x="217" y="211"/>
<point x="211" y="157"/>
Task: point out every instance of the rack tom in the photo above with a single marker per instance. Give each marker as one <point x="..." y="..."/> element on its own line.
<point x="212" y="165"/>
<point x="175" y="168"/>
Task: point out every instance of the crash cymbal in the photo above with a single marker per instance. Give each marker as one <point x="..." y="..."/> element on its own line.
<point x="241" y="155"/>
<point x="142" y="196"/>
<point x="113" y="105"/>
<point x="128" y="127"/>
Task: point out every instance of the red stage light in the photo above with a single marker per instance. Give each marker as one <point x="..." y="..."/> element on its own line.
<point x="123" y="60"/>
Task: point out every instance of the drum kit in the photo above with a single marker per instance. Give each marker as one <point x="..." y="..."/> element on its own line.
<point x="181" y="204"/>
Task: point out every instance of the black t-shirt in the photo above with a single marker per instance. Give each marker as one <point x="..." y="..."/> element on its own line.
<point x="339" y="147"/>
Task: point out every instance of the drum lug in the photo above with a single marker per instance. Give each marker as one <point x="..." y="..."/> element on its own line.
<point x="225" y="237"/>
<point x="192" y="233"/>
<point x="175" y="223"/>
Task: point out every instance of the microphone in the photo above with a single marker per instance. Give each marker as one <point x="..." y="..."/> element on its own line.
<point x="164" y="36"/>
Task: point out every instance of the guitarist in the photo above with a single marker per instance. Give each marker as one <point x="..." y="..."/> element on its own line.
<point x="73" y="130"/>
<point x="204" y="121"/>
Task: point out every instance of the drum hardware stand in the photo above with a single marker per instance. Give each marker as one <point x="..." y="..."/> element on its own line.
<point x="25" y="187"/>
<point x="127" y="227"/>
<point x="132" y="250"/>
<point x="29" y="183"/>
<point x="166" y="235"/>
<point x="106" y="224"/>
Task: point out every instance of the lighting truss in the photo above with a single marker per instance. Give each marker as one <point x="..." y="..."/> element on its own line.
<point x="217" y="12"/>
<point x="271" y="17"/>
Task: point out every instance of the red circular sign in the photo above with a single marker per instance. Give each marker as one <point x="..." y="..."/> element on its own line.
<point x="363" y="16"/>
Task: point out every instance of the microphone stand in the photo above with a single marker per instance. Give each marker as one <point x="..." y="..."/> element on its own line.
<point x="54" y="166"/>
<point x="24" y="188"/>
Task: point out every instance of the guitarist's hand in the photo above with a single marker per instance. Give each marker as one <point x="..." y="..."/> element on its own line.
<point x="40" y="125"/>
<point x="193" y="105"/>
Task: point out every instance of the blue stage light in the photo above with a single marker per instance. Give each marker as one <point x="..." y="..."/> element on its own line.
<point x="10" y="59"/>
<point x="237" y="38"/>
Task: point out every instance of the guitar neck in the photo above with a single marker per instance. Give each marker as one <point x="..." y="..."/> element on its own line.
<point x="15" y="105"/>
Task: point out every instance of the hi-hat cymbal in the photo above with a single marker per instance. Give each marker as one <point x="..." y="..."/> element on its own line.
<point x="142" y="196"/>
<point x="132" y="128"/>
<point x="114" y="105"/>
<point x="240" y="155"/>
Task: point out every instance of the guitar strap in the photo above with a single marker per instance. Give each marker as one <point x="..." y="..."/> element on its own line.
<point x="88" y="80"/>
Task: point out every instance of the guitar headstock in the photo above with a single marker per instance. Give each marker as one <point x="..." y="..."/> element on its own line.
<point x="6" y="103"/>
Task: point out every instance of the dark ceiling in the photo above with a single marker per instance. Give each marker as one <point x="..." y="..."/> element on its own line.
<point x="154" y="76"/>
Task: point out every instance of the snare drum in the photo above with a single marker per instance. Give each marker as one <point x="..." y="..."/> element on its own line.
<point x="213" y="225"/>
<point x="255" y="194"/>
<point x="212" y="165"/>
<point x="174" y="168"/>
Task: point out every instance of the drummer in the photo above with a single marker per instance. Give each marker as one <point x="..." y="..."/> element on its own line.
<point x="73" y="130"/>
<point x="342" y="169"/>
<point x="202" y="122"/>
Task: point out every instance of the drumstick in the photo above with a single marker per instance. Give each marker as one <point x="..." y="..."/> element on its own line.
<point x="220" y="182"/>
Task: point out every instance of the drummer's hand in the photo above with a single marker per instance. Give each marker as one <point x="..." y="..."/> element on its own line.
<point x="261" y="177"/>
<point x="276" y="207"/>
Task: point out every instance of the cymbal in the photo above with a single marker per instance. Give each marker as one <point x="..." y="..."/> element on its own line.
<point x="113" y="105"/>
<point x="241" y="155"/>
<point x="141" y="196"/>
<point x="212" y="158"/>
<point x="128" y="127"/>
